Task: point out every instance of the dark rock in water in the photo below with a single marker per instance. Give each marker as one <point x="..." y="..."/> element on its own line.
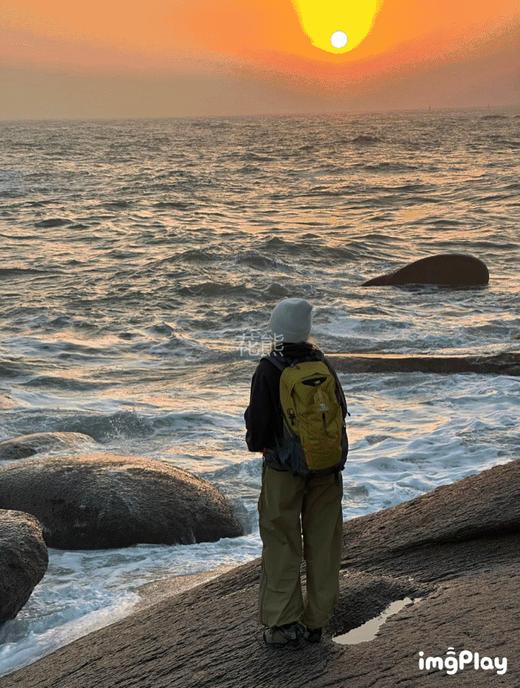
<point x="98" y="501"/>
<point x="499" y="364"/>
<point x="37" y="442"/>
<point x="455" y="549"/>
<point x="449" y="269"/>
<point x="23" y="560"/>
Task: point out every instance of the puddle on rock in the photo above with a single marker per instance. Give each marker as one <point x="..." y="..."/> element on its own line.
<point x="369" y="630"/>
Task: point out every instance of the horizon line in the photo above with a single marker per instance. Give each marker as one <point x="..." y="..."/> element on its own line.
<point x="253" y="115"/>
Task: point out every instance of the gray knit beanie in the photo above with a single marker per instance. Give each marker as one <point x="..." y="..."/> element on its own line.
<point x="291" y="320"/>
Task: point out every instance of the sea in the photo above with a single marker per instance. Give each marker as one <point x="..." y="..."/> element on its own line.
<point x="139" y="263"/>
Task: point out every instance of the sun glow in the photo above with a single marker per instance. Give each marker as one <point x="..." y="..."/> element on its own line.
<point x="337" y="26"/>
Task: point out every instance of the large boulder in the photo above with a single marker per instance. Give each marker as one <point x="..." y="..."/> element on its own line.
<point x="39" y="442"/>
<point x="445" y="269"/>
<point x="23" y="560"/>
<point x="456" y="549"/>
<point x="98" y="501"/>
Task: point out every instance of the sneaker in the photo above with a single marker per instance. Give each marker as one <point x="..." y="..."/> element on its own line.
<point x="313" y="635"/>
<point x="288" y="634"/>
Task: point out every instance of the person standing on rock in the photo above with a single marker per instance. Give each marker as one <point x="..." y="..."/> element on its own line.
<point x="296" y="418"/>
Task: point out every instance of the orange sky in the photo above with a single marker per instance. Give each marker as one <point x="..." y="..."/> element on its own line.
<point x="244" y="56"/>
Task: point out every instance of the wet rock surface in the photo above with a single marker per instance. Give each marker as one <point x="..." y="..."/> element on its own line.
<point x="39" y="442"/>
<point x="456" y="548"/>
<point x="507" y="363"/>
<point x="445" y="269"/>
<point x="102" y="500"/>
<point x="23" y="560"/>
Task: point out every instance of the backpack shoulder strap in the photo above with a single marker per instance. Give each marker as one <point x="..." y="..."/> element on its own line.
<point x="275" y="360"/>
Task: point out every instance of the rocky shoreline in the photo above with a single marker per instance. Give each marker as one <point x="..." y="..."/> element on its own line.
<point x="456" y="548"/>
<point x="100" y="500"/>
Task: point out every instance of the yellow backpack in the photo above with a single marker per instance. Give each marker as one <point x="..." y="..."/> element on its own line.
<point x="315" y="438"/>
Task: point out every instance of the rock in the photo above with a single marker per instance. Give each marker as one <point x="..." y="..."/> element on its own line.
<point x="39" y="442"/>
<point x="456" y="549"/>
<point x="23" y="560"/>
<point x="507" y="363"/>
<point x="481" y="506"/>
<point x="445" y="269"/>
<point x="97" y="501"/>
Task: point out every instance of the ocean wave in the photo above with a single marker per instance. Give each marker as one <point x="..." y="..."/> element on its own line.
<point x="214" y="289"/>
<point x="105" y="428"/>
<point x="278" y="290"/>
<point x="248" y="471"/>
<point x="256" y="157"/>
<point x="291" y="247"/>
<point x="324" y="191"/>
<point x="23" y="272"/>
<point x="350" y="251"/>
<point x="60" y="347"/>
<point x="491" y="117"/>
<point x="196" y="255"/>
<point x="484" y="244"/>
<point x="81" y="225"/>
<point x="122" y="204"/>
<point x="52" y="222"/>
<point x="174" y="205"/>
<point x="161" y="328"/>
<point x="366" y="140"/>
<point x="386" y="166"/>
<point x="514" y="186"/>
<point x="10" y="369"/>
<point x="63" y="383"/>
<point x="259" y="261"/>
<point x="250" y="169"/>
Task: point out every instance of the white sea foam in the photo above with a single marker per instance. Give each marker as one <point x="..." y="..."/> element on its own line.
<point x="409" y="434"/>
<point x="86" y="590"/>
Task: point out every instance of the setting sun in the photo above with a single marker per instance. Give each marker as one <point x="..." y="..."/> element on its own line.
<point x="337" y="26"/>
<point x="204" y="57"/>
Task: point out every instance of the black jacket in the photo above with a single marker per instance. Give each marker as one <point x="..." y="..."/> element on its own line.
<point x="263" y="416"/>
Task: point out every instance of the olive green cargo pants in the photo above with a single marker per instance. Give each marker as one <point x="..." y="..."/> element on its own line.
<point x="291" y="506"/>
